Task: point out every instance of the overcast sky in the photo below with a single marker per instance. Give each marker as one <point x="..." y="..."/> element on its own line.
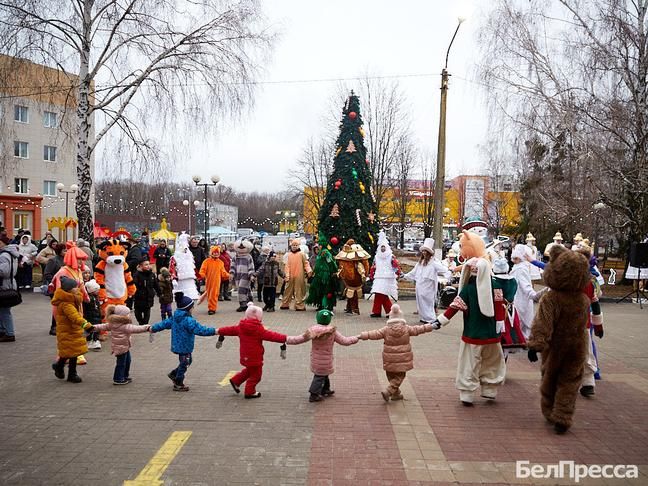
<point x="345" y="39"/>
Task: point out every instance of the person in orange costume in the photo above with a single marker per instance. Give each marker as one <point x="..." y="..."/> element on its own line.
<point x="112" y="274"/>
<point x="213" y="271"/>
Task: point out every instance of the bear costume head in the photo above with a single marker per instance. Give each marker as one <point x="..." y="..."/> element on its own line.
<point x="243" y="247"/>
<point x="567" y="270"/>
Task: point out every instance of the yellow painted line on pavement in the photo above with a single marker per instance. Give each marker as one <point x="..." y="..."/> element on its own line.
<point x="150" y="475"/>
<point x="225" y="381"/>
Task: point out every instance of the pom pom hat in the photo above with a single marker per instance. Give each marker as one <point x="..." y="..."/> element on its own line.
<point x="254" y="312"/>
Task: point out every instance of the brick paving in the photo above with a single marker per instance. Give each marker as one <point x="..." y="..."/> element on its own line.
<point x="54" y="432"/>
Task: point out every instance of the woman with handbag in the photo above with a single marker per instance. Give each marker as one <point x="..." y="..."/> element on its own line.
<point x="9" y="295"/>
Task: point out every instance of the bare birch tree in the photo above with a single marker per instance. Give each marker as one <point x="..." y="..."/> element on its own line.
<point x="139" y="63"/>
<point x="571" y="79"/>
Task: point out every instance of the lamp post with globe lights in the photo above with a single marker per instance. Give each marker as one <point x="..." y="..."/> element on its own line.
<point x="439" y="186"/>
<point x="72" y="190"/>
<point x="214" y="181"/>
<point x="186" y="203"/>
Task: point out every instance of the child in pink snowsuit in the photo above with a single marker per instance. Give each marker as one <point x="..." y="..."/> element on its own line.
<point x="323" y="337"/>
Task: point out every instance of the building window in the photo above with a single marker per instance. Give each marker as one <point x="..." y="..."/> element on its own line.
<point x="20" y="185"/>
<point x="49" y="153"/>
<point x="49" y="119"/>
<point x="508" y="187"/>
<point x="22" y="219"/>
<point x="21" y="114"/>
<point x="49" y="188"/>
<point x="21" y="149"/>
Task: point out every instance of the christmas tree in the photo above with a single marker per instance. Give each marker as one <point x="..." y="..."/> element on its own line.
<point x="349" y="209"/>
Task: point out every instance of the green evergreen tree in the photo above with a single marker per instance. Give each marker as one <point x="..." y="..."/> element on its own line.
<point x="349" y="209"/>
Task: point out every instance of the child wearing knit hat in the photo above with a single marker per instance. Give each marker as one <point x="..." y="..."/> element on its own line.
<point x="323" y="338"/>
<point x="397" y="354"/>
<point x="121" y="327"/>
<point x="184" y="328"/>
<point x="251" y="333"/>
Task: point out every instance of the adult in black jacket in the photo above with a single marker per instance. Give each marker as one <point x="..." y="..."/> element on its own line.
<point x="146" y="283"/>
<point x="135" y="255"/>
<point x="162" y="256"/>
<point x="198" y="252"/>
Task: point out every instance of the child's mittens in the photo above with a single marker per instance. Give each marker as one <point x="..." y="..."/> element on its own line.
<point x="219" y="343"/>
<point x="436" y="325"/>
<point x="151" y="338"/>
<point x="598" y="330"/>
<point x="282" y="353"/>
<point x="532" y="355"/>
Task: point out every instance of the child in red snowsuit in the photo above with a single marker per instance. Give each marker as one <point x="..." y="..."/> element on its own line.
<point x="251" y="335"/>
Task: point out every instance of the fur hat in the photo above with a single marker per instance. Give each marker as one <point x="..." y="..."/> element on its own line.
<point x="183" y="302"/>
<point x="254" y="312"/>
<point x="68" y="283"/>
<point x="165" y="271"/>
<point x="396" y="314"/>
<point x="324" y="317"/>
<point x="500" y="265"/>
<point x="92" y="286"/>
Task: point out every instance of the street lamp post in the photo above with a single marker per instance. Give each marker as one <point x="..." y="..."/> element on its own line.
<point x="72" y="190"/>
<point x="186" y="203"/>
<point x="214" y="180"/>
<point x="439" y="186"/>
<point x="61" y="188"/>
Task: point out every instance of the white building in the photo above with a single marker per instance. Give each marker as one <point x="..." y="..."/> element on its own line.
<point x="37" y="138"/>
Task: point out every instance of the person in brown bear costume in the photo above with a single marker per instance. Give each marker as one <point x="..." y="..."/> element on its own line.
<point x="559" y="333"/>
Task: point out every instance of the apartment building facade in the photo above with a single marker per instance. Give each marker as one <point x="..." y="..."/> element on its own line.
<point x="38" y="156"/>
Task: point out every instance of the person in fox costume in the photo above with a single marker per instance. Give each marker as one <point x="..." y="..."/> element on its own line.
<point x="353" y="263"/>
<point x="111" y="273"/>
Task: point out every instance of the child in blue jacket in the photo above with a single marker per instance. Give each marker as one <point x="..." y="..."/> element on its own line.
<point x="184" y="328"/>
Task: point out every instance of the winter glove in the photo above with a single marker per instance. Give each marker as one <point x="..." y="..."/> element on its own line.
<point x="282" y="353"/>
<point x="151" y="337"/>
<point x="219" y="343"/>
<point x="533" y="355"/>
<point x="436" y="325"/>
<point x="598" y="331"/>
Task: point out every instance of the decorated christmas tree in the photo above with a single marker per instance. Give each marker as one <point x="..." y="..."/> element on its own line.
<point x="349" y="209"/>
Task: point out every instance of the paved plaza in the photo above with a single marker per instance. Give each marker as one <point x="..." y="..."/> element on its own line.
<point x="94" y="433"/>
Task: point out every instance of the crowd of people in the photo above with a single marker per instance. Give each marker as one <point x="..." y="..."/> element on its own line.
<point x="93" y="294"/>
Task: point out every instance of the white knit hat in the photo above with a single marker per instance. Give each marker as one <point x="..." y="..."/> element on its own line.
<point x="92" y="286"/>
<point x="254" y="312"/>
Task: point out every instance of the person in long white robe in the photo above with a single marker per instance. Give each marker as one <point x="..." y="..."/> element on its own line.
<point x="525" y="295"/>
<point x="426" y="277"/>
<point x="536" y="274"/>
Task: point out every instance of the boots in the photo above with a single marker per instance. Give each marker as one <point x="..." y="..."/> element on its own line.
<point x="72" y="374"/>
<point x="59" y="372"/>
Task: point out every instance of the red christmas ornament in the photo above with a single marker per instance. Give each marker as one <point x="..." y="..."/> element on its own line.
<point x="367" y="161"/>
<point x="353" y="115"/>
<point x="329" y="295"/>
<point x="334" y="240"/>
